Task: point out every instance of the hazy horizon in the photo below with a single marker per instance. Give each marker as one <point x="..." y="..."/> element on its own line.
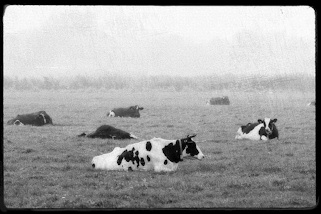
<point x="66" y="41"/>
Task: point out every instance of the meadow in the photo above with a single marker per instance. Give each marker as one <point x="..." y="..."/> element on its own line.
<point x="49" y="166"/>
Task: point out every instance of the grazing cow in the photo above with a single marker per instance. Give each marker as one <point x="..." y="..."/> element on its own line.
<point x="156" y="154"/>
<point x="39" y="118"/>
<point x="224" y="100"/>
<point x="106" y="131"/>
<point x="311" y="103"/>
<point x="263" y="130"/>
<point x="132" y="111"/>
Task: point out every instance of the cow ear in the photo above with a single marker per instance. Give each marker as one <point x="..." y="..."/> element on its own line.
<point x="191" y="136"/>
<point x="274" y="120"/>
<point x="260" y="121"/>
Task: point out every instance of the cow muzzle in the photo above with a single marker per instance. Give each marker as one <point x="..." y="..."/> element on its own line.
<point x="93" y="165"/>
<point x="200" y="156"/>
<point x="268" y="131"/>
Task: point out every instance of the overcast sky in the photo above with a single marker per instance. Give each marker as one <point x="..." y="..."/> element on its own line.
<point x="179" y="40"/>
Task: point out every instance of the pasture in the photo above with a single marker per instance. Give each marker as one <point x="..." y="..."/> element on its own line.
<point x="49" y="166"/>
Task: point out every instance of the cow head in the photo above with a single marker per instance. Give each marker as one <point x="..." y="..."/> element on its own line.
<point x="43" y="118"/>
<point x="191" y="148"/>
<point x="18" y="123"/>
<point x="268" y="125"/>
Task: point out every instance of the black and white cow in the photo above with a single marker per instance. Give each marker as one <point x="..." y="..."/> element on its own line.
<point x="224" y="100"/>
<point x="262" y="130"/>
<point x="39" y="118"/>
<point x="107" y="131"/>
<point x="132" y="111"/>
<point x="156" y="154"/>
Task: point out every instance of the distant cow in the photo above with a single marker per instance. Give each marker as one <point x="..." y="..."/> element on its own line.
<point x="224" y="100"/>
<point x="311" y="103"/>
<point x="263" y="130"/>
<point x="39" y="118"/>
<point x="106" y="131"/>
<point x="156" y="154"/>
<point x="132" y="111"/>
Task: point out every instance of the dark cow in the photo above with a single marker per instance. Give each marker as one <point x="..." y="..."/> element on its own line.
<point x="311" y="103"/>
<point x="106" y="131"/>
<point x="39" y="118"/>
<point x="224" y="100"/>
<point x="132" y="111"/>
<point x="263" y="130"/>
<point x="156" y="154"/>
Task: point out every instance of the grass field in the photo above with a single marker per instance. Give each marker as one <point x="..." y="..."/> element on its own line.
<point x="49" y="167"/>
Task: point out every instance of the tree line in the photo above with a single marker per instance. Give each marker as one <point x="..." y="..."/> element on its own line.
<point x="297" y="82"/>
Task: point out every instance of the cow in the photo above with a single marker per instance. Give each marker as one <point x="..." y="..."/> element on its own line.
<point x="132" y="111"/>
<point x="157" y="154"/>
<point x="311" y="103"/>
<point x="39" y="118"/>
<point x="107" y="131"/>
<point x="224" y="100"/>
<point x="262" y="130"/>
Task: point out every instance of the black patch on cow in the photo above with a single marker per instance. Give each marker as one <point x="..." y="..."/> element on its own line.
<point x="275" y="132"/>
<point x="130" y="156"/>
<point x="142" y="161"/>
<point x="171" y="151"/>
<point x="148" y="146"/>
<point x="249" y="127"/>
<point x="130" y="168"/>
<point x="148" y="158"/>
<point x="191" y="148"/>
<point x="262" y="132"/>
<point x="127" y="155"/>
<point x="106" y="131"/>
<point x="165" y="162"/>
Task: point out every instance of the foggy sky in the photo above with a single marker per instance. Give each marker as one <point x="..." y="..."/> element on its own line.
<point x="60" y="41"/>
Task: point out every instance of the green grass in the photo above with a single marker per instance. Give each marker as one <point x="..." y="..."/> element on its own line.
<point x="49" y="167"/>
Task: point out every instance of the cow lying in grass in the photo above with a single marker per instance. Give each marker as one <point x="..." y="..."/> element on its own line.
<point x="39" y="118"/>
<point x="224" y="100"/>
<point x="262" y="130"/>
<point x="132" y="111"/>
<point x="156" y="154"/>
<point x="106" y="131"/>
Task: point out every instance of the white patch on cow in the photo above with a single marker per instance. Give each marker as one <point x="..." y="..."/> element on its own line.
<point x="133" y="136"/>
<point x="44" y="118"/>
<point x="267" y="128"/>
<point x="252" y="135"/>
<point x="111" y="114"/>
<point x="156" y="157"/>
<point x="18" y="123"/>
<point x="264" y="138"/>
